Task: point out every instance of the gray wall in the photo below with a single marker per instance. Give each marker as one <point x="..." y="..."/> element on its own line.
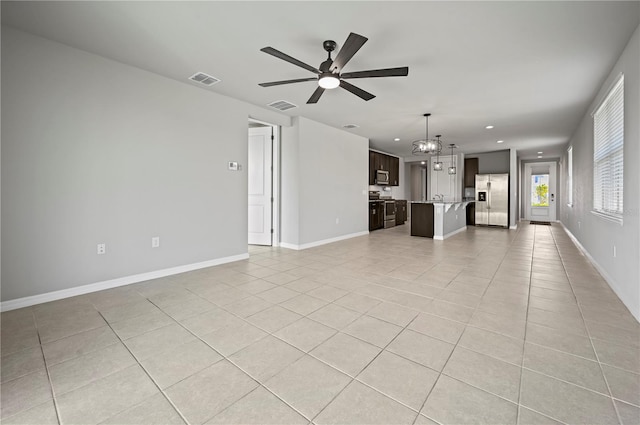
<point x="595" y="234"/>
<point x="94" y="151"/>
<point x="329" y="181"/>
<point x="289" y="184"/>
<point x="492" y="162"/>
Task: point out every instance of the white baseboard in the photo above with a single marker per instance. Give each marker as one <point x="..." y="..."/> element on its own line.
<point x="322" y="242"/>
<point x="514" y="227"/>
<point x="113" y="283"/>
<point x="610" y="281"/>
<point x="448" y="235"/>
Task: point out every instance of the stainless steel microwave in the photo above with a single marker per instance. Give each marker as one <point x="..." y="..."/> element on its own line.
<point x="382" y="177"/>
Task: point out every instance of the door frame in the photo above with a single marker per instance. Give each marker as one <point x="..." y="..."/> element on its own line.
<point x="526" y="188"/>
<point x="275" y="179"/>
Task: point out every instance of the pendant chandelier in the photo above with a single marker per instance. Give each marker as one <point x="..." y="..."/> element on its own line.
<point x="452" y="168"/>
<point x="427" y="146"/>
<point x="437" y="166"/>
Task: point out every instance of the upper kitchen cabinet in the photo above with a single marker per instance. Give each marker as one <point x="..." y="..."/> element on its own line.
<point x="470" y="171"/>
<point x="394" y="171"/>
<point x="372" y="167"/>
<point x="380" y="161"/>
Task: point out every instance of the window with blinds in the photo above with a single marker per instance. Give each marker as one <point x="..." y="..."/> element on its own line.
<point x="608" y="149"/>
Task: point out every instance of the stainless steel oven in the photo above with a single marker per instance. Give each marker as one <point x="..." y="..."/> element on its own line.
<point x="389" y="213"/>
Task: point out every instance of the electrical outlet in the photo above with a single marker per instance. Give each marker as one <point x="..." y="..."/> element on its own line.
<point x="155" y="242"/>
<point x="102" y="248"/>
<point x="337" y="220"/>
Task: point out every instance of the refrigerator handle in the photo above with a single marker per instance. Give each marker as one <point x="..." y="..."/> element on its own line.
<point x="488" y="195"/>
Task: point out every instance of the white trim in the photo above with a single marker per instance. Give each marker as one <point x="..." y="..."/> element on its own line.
<point x="514" y="227"/>
<point x="322" y="242"/>
<point x="448" y="235"/>
<point x="608" y="217"/>
<point x="602" y="272"/>
<point x="113" y="283"/>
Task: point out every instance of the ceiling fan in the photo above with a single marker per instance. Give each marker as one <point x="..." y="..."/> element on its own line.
<point x="329" y="73"/>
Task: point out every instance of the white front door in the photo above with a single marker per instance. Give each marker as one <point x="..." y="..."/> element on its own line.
<point x="540" y="191"/>
<point x="260" y="189"/>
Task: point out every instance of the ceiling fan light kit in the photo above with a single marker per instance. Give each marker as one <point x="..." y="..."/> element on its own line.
<point x="328" y="81"/>
<point x="329" y="73"/>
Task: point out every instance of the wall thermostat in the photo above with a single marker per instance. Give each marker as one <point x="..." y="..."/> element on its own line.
<point x="233" y="166"/>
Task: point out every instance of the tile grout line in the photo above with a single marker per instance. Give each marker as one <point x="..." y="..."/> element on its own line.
<point x="46" y="367"/>
<point x="364" y="368"/>
<point x="224" y="357"/>
<point x="451" y="354"/>
<point x="148" y="375"/>
<point x="606" y="381"/>
<point x="526" y="322"/>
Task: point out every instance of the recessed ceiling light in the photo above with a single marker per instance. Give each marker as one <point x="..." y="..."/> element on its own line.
<point x="500" y="141"/>
<point x="539" y="153"/>
<point x="539" y="156"/>
<point x="489" y="127"/>
<point x="396" y="139"/>
<point x="350" y="126"/>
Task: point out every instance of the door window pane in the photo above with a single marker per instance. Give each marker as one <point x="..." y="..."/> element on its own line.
<point x="540" y="190"/>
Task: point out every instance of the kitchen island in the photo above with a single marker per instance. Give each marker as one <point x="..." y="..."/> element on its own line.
<point x="438" y="220"/>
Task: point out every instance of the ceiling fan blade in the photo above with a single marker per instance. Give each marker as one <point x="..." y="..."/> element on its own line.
<point x="278" y="83"/>
<point x="389" y="72"/>
<point x="356" y="90"/>
<point x="316" y="95"/>
<point x="277" y="53"/>
<point x="353" y="43"/>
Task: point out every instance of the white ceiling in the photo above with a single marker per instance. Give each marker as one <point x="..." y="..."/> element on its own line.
<point x="528" y="68"/>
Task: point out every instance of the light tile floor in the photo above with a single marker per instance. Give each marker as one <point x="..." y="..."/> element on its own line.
<point x="490" y="326"/>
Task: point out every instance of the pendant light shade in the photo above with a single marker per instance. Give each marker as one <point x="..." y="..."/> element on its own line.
<point x="437" y="166"/>
<point x="426" y="146"/>
<point x="452" y="168"/>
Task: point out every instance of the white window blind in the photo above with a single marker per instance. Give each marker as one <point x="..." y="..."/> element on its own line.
<point x="608" y="149"/>
<point x="570" y="176"/>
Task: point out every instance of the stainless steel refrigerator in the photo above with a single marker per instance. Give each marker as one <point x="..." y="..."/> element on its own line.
<point x="492" y="200"/>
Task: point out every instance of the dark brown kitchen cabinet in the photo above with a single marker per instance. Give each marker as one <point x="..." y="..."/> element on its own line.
<point x="394" y="171"/>
<point x="422" y="219"/>
<point x="471" y="214"/>
<point x="401" y="212"/>
<point x="383" y="162"/>
<point x="470" y="171"/>
<point x="376" y="215"/>
<point x="372" y="167"/>
<point x="380" y="161"/>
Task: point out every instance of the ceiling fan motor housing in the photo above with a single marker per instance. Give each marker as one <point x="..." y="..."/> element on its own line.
<point x="329" y="45"/>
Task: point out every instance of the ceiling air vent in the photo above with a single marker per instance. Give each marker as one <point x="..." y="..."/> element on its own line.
<point x="350" y="126"/>
<point x="204" y="79"/>
<point x="282" y="105"/>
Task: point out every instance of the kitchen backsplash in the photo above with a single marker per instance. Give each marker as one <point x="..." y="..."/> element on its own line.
<point x="394" y="191"/>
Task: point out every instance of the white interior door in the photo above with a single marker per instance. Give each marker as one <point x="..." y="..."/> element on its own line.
<point x="260" y="187"/>
<point x="540" y="191"/>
